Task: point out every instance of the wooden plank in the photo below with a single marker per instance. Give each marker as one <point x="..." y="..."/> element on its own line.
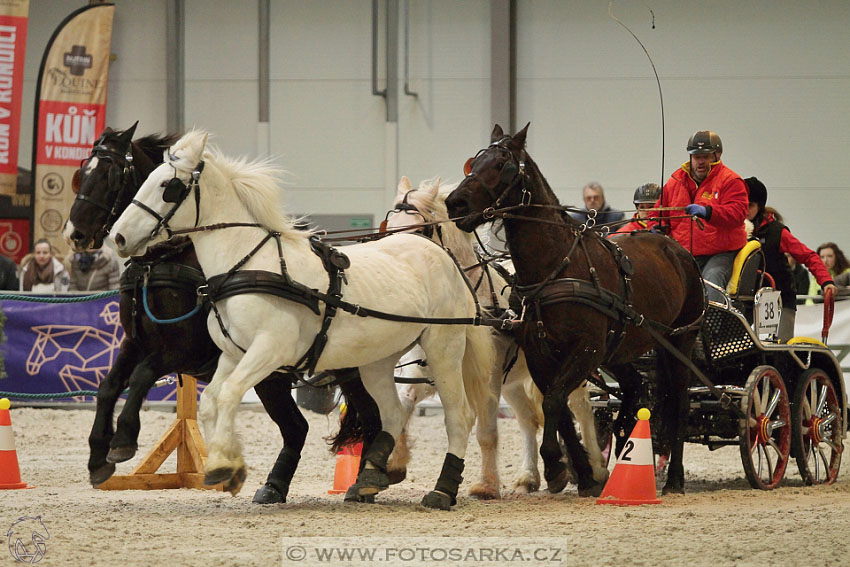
<point x="164" y="447"/>
<point x="196" y="480"/>
<point x="143" y="482"/>
<point x="187" y="398"/>
<point x="194" y="443"/>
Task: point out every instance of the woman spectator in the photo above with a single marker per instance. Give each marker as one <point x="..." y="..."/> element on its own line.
<point x="41" y="271"/>
<point x="837" y="264"/>
<point x="776" y="240"/>
<point x="95" y="270"/>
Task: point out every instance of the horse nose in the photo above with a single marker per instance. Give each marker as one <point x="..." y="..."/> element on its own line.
<point x="77" y="236"/>
<point x="119" y="241"/>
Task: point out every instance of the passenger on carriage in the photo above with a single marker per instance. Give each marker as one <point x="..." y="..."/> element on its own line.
<point x="704" y="187"/>
<point x="645" y="197"/>
<point x="594" y="198"/>
<point x="776" y="240"/>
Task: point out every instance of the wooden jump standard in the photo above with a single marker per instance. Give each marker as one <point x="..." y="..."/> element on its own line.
<point x="184" y="436"/>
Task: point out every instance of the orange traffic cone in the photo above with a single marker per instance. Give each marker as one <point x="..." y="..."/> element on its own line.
<point x="347" y="463"/>
<point x="633" y="480"/>
<point x="347" y="467"/>
<point x="10" y="473"/>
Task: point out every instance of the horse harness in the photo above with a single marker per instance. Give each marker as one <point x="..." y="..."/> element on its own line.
<point x="554" y="290"/>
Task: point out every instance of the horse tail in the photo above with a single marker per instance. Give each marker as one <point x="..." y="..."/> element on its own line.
<point x="478" y="360"/>
<point x="361" y="419"/>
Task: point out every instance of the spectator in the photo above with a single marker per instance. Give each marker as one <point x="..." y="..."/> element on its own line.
<point x="707" y="189"/>
<point x="801" y="277"/>
<point x="594" y="198"/>
<point x="645" y="197"/>
<point x="95" y="270"/>
<point x="835" y="261"/>
<point x="41" y="271"/>
<point x="8" y="274"/>
<point x="776" y="241"/>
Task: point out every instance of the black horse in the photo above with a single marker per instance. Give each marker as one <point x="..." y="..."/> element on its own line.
<point x="164" y="282"/>
<point x="589" y="302"/>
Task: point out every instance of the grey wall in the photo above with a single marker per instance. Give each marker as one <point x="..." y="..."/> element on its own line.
<point x="771" y="77"/>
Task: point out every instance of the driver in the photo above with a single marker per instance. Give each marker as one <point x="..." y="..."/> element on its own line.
<point x="705" y="188"/>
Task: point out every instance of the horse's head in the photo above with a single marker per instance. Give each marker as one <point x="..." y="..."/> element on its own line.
<point x="161" y="202"/>
<point x="101" y="184"/>
<point x="493" y="180"/>
<point x="413" y="206"/>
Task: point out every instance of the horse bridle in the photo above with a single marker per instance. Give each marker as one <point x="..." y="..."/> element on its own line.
<point x="175" y="192"/>
<point x="116" y="176"/>
<point x="405" y="207"/>
<point x="511" y="175"/>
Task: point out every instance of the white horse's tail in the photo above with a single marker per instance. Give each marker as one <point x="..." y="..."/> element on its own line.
<point x="477" y="365"/>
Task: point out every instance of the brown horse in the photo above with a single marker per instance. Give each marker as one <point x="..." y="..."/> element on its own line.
<point x="587" y="301"/>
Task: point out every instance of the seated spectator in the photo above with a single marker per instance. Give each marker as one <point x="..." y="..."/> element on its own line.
<point x="95" y="270"/>
<point x="8" y="274"/>
<point x="835" y="261"/>
<point x="645" y="197"/>
<point x="776" y="241"/>
<point x="801" y="277"/>
<point x="41" y="271"/>
<point x="594" y="198"/>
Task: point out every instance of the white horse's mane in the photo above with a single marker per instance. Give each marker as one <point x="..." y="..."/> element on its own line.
<point x="256" y="183"/>
<point x="433" y="208"/>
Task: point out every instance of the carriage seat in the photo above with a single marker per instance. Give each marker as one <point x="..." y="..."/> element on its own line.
<point x="747" y="276"/>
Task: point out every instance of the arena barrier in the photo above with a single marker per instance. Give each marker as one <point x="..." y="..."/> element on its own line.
<point x="54" y="347"/>
<point x="68" y="347"/>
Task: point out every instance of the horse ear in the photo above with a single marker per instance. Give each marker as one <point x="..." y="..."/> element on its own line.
<point x="433" y="188"/>
<point x="127" y="135"/>
<point x="518" y="140"/>
<point x="497" y="133"/>
<point x="404" y="185"/>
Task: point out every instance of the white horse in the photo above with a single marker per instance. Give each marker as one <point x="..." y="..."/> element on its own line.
<point x="427" y="204"/>
<point x="404" y="275"/>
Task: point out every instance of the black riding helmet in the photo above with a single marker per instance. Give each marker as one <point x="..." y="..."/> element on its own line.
<point x="758" y="192"/>
<point x="647" y="193"/>
<point x="705" y="142"/>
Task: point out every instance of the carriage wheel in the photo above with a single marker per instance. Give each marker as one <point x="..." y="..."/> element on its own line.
<point x="816" y="432"/>
<point x="765" y="437"/>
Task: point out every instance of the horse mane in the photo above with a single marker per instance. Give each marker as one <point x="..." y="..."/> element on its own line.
<point x="433" y="208"/>
<point x="256" y="183"/>
<point x="153" y="145"/>
<point x="537" y="177"/>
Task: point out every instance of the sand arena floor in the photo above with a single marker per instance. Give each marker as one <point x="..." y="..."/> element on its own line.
<point x="720" y="521"/>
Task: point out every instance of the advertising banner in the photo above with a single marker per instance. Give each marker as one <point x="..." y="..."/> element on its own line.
<point x="52" y="348"/>
<point x="70" y="112"/>
<point x="13" y="41"/>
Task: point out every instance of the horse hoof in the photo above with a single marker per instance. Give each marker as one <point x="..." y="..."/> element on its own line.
<point x="483" y="491"/>
<point x="526" y="484"/>
<point x="396" y="475"/>
<point x="595" y="490"/>
<point x="559" y="483"/>
<point x="268" y="494"/>
<point x="353" y="495"/>
<point x="101" y="474"/>
<point x="673" y="490"/>
<point x="437" y="501"/>
<point x="218" y="476"/>
<point x="121" y="454"/>
<point x="234" y="485"/>
<point x="371" y="481"/>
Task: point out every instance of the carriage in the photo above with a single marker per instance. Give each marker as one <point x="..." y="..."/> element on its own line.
<point x="774" y="401"/>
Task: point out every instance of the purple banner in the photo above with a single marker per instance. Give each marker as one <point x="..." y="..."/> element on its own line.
<point x="63" y="347"/>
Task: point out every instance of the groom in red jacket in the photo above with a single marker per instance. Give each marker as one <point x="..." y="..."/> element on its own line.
<point x="707" y="189"/>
